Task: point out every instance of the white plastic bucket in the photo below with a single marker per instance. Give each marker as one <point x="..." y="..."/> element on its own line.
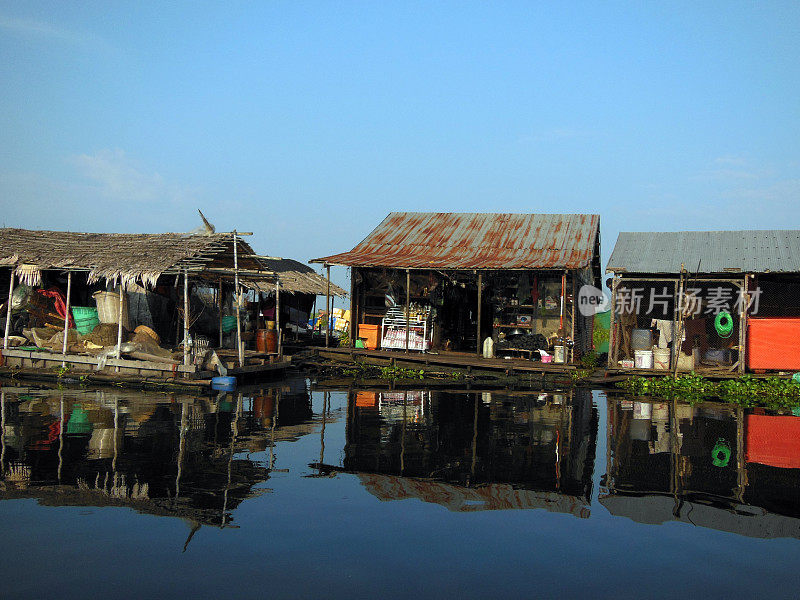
<point x="661" y="359"/>
<point x="108" y="308"/>
<point x="558" y="354"/>
<point x="643" y="359"/>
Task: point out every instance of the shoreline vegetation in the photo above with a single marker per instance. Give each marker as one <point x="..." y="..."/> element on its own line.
<point x="746" y="391"/>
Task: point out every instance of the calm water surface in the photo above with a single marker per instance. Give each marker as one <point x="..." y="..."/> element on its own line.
<point x="284" y="492"/>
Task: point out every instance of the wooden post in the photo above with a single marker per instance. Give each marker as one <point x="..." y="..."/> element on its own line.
<point x="238" y="300"/>
<point x="119" y="325"/>
<point x="328" y="308"/>
<point x="186" y="317"/>
<point x="8" y="310"/>
<point x="408" y="305"/>
<point x="613" y="338"/>
<point x="563" y="303"/>
<point x="66" y="319"/>
<point x="480" y="302"/>
<point x="219" y="301"/>
<point x="745" y="300"/>
<point x="574" y="316"/>
<point x="353" y="308"/>
<point x="677" y="330"/>
<point x="278" y="316"/>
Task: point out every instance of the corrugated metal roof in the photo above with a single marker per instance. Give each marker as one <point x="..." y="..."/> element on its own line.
<point x="475" y="241"/>
<point x="757" y="251"/>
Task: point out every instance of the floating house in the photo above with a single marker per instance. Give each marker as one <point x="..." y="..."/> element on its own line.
<point x="707" y="301"/>
<point x="450" y="281"/>
<point x="148" y="304"/>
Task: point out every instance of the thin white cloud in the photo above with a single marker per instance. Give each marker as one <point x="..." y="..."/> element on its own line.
<point x="42" y="29"/>
<point x="116" y="177"/>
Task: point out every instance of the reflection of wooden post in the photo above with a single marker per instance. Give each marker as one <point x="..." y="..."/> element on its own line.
<point x="66" y="319"/>
<point x="119" y="325"/>
<point x="328" y="308"/>
<point x="8" y="310"/>
<point x="60" y="437"/>
<point x="741" y="463"/>
<point x="408" y="305"/>
<point x="480" y="302"/>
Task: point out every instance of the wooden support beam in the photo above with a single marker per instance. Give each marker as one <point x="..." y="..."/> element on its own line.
<point x="66" y="318"/>
<point x="119" y="325"/>
<point x="278" y="317"/>
<point x="480" y="303"/>
<point x="8" y="310"/>
<point x="328" y="307"/>
<point x="185" y="317"/>
<point x="219" y="301"/>
<point x="353" y="308"/>
<point x="238" y="299"/>
<point x="408" y="305"/>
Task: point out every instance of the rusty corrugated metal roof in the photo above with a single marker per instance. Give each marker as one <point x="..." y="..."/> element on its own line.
<point x="418" y="240"/>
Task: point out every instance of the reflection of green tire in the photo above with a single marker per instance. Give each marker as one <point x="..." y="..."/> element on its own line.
<point x="721" y="454"/>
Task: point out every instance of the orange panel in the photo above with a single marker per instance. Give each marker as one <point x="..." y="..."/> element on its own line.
<point x="366" y="399"/>
<point x="773" y="344"/>
<point x="773" y="440"/>
<point x="369" y="333"/>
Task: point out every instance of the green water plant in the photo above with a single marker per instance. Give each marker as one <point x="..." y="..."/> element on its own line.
<point x="772" y="392"/>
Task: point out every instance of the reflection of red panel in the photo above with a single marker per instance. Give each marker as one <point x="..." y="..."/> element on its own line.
<point x="366" y="399"/>
<point x="773" y="441"/>
<point x="773" y="344"/>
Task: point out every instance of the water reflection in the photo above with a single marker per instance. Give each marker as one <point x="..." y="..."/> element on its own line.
<point x="475" y="451"/>
<point x="710" y="465"/>
<point x="198" y="459"/>
<point x="164" y="455"/>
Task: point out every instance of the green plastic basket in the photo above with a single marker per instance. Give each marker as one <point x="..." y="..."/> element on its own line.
<point x="228" y="323"/>
<point x="85" y="318"/>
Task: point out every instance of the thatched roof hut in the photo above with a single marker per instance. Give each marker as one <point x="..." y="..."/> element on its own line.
<point x="144" y="257"/>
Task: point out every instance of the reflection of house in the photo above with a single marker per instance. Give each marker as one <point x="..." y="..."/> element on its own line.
<point x="698" y="464"/>
<point x="470" y="451"/>
<point x="175" y="456"/>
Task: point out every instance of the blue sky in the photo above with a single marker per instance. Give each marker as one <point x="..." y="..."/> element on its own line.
<point x="307" y="122"/>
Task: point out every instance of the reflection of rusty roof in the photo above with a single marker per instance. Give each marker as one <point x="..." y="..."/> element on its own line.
<point x="493" y="496"/>
<point x="476" y="241"/>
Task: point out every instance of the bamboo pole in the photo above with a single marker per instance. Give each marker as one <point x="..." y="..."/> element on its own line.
<point x="8" y="310"/>
<point x="66" y="319"/>
<point x="185" y="317"/>
<point x="278" y="316"/>
<point x="238" y="300"/>
<point x="353" y="308"/>
<point x="408" y="305"/>
<point x="613" y="340"/>
<point x="480" y="302"/>
<point x="574" y="315"/>
<point x="219" y="302"/>
<point x="119" y="326"/>
<point x="328" y="308"/>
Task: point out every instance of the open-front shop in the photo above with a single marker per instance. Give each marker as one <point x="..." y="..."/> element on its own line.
<point x="485" y="284"/>
<point x="708" y="302"/>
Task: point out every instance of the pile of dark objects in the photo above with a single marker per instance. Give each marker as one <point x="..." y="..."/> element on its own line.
<point x="523" y="341"/>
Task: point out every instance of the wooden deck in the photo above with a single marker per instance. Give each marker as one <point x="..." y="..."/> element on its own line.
<point x="447" y="360"/>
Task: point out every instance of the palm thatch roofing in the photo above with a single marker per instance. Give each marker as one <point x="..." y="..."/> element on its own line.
<point x="299" y="278"/>
<point x="130" y="258"/>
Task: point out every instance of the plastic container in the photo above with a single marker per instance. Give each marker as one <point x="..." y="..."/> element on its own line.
<point x="558" y="354"/>
<point x="369" y="333"/>
<point x="662" y="358"/>
<point x="643" y="359"/>
<point x="228" y="323"/>
<point x="108" y="308"/>
<point x="641" y="339"/>
<point x="85" y="319"/>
